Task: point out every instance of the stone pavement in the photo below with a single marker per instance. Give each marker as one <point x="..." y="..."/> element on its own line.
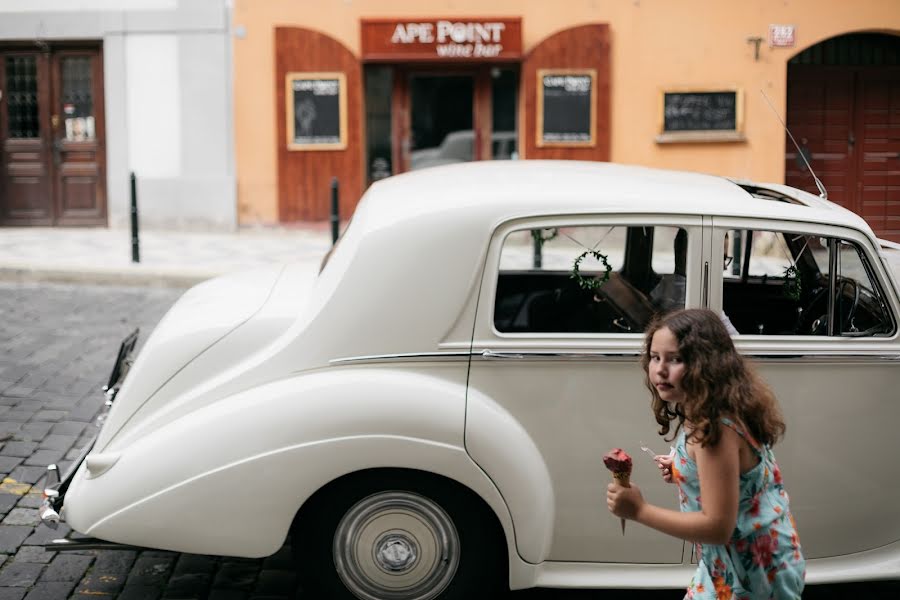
<point x="174" y="258"/>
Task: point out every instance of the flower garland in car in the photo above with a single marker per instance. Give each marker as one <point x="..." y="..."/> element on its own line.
<point x="592" y="282"/>
<point x="792" y="286"/>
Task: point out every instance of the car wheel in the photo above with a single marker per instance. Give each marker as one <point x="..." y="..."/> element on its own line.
<point x="399" y="538"/>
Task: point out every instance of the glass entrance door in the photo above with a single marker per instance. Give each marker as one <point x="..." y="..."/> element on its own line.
<point x="441" y="121"/>
<point x="417" y="118"/>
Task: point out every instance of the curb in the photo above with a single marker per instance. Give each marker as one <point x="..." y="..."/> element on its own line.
<point x="97" y="277"/>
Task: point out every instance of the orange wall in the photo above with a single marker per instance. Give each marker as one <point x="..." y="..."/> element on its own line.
<point x="655" y="45"/>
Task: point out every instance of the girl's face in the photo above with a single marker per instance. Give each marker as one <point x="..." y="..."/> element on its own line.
<point x="666" y="368"/>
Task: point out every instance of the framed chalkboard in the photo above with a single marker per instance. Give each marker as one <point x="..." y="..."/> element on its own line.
<point x="316" y="108"/>
<point x="701" y="115"/>
<point x="566" y="107"/>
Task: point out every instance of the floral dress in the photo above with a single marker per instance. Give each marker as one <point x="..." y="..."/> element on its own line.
<point x="763" y="559"/>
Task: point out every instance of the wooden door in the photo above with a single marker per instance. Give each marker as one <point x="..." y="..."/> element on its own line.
<point x="25" y="174"/>
<point x="77" y="126"/>
<point x="52" y="155"/>
<point x="846" y="120"/>
<point x="878" y="155"/>
<point x="820" y="115"/>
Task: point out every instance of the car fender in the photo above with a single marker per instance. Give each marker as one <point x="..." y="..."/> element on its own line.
<point x="502" y="447"/>
<point x="248" y="462"/>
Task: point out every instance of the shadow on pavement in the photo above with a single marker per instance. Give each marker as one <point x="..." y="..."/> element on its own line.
<point x="874" y="589"/>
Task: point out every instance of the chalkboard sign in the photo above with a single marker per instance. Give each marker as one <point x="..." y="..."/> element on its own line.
<point x="316" y="111"/>
<point x="701" y="115"/>
<point x="566" y="107"/>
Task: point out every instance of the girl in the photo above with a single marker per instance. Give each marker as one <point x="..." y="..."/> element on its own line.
<point x="726" y="420"/>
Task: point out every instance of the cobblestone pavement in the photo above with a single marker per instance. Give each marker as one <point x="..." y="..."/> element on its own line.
<point x="57" y="344"/>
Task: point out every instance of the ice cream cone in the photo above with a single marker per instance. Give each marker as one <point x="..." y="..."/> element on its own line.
<point x="619" y="463"/>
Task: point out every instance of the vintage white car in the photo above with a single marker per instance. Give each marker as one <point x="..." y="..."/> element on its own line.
<point x="426" y="417"/>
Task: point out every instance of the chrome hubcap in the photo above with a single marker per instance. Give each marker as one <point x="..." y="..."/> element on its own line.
<point x="396" y="546"/>
<point x="396" y="552"/>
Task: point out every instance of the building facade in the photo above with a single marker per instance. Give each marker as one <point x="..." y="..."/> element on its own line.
<point x="92" y="91"/>
<point x="362" y="90"/>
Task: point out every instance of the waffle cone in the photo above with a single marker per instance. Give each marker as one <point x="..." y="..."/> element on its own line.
<point x="623" y="479"/>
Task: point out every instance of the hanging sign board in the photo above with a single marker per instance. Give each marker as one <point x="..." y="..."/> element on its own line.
<point x="566" y="107"/>
<point x="453" y="39"/>
<point x="714" y="115"/>
<point x="316" y="110"/>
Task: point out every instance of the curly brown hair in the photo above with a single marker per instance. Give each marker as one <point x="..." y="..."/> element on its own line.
<point x="717" y="382"/>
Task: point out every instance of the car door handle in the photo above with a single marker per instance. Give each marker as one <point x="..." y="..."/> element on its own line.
<point x="491" y="355"/>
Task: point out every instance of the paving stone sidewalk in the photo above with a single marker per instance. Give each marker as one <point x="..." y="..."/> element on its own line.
<point x="167" y="258"/>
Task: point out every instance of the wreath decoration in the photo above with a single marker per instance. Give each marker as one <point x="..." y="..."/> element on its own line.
<point x="591" y="283"/>
<point x="792" y="286"/>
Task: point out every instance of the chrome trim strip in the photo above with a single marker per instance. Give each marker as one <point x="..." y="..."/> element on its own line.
<point x="516" y="355"/>
<point x="414" y="356"/>
<point x="826" y="358"/>
<point x="489" y="354"/>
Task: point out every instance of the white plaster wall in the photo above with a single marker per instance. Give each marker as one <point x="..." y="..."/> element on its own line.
<point x="167" y="94"/>
<point x="153" y="111"/>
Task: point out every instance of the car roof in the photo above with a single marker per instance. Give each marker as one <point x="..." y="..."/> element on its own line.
<point x="501" y="190"/>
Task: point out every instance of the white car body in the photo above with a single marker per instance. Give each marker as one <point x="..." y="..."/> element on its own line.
<point x="258" y="389"/>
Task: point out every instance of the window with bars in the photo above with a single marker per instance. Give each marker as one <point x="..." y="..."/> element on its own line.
<point x="22" y="97"/>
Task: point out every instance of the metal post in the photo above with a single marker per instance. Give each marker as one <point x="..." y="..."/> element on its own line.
<point x="335" y="217"/>
<point x="537" y="258"/>
<point x="135" y="240"/>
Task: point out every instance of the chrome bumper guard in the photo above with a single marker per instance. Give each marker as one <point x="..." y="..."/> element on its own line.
<point x="63" y="545"/>
<point x="55" y="487"/>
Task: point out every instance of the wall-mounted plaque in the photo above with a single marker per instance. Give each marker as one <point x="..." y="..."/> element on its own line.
<point x="701" y="116"/>
<point x="566" y="107"/>
<point x="316" y="111"/>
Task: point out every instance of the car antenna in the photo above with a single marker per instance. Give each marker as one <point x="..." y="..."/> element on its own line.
<point x="823" y="194"/>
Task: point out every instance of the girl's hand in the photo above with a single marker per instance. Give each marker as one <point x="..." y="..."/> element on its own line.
<point x="664" y="462"/>
<point x="624" y="502"/>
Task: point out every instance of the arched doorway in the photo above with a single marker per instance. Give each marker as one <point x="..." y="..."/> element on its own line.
<point x="843" y="108"/>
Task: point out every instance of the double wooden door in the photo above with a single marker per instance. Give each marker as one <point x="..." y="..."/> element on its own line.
<point x="847" y="122"/>
<point x="52" y="154"/>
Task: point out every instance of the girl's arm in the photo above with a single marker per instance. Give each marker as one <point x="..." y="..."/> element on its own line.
<point x="719" y="469"/>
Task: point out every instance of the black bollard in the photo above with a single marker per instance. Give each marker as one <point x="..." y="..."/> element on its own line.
<point x="135" y="240"/>
<point x="335" y="216"/>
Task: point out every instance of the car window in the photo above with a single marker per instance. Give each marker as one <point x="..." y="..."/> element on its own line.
<point x="860" y="308"/>
<point x="781" y="283"/>
<point x="598" y="279"/>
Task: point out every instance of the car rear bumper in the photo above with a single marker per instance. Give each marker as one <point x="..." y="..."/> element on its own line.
<point x="55" y="487"/>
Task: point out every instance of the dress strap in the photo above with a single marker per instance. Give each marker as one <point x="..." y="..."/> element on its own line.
<point x="741" y="431"/>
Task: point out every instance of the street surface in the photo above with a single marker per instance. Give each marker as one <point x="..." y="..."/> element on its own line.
<point x="57" y="344"/>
